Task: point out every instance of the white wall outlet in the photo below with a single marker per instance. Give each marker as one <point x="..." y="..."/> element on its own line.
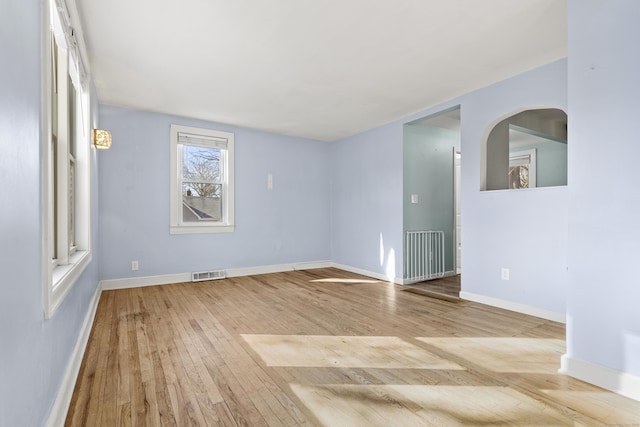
<point x="270" y="181"/>
<point x="414" y="198"/>
<point x="504" y="274"/>
<point x="134" y="265"/>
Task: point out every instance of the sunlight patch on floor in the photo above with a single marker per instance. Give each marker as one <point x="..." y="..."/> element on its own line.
<point x="420" y="405"/>
<point x="522" y="355"/>
<point x="345" y="351"/>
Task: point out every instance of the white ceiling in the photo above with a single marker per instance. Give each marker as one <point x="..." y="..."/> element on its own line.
<point x="322" y="69"/>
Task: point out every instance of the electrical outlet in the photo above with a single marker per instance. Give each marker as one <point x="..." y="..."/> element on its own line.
<point x="504" y="274"/>
<point x="134" y="265"/>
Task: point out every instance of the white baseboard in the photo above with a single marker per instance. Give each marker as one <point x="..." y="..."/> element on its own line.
<point x="165" y="279"/>
<point x="367" y="273"/>
<point x="312" y="265"/>
<point x="278" y="268"/>
<point x="65" y="392"/>
<point x="139" y="282"/>
<point x="514" y="306"/>
<point x="610" y="379"/>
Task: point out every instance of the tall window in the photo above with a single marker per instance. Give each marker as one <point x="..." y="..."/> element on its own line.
<point x="202" y="190"/>
<point x="65" y="166"/>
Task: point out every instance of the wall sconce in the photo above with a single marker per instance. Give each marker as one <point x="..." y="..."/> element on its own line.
<point x="102" y="139"/>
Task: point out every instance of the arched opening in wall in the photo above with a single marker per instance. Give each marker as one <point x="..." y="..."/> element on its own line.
<point x="527" y="149"/>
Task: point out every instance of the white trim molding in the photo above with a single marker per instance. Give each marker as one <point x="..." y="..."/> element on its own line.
<point x="165" y="279"/>
<point x="610" y="379"/>
<point x="379" y="276"/>
<point x="63" y="277"/>
<point x="139" y="282"/>
<point x="65" y="392"/>
<point x="514" y="306"/>
<point x="278" y="268"/>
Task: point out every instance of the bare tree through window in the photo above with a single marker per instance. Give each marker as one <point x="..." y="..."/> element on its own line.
<point x="201" y="183"/>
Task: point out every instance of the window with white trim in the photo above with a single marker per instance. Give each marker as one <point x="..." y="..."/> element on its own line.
<point x="66" y="160"/>
<point x="202" y="187"/>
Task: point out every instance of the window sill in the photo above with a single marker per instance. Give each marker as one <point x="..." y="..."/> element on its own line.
<point x="200" y="229"/>
<point x="63" y="277"/>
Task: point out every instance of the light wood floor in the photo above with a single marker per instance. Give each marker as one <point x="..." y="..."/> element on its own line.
<point x="325" y="347"/>
<point x="447" y="287"/>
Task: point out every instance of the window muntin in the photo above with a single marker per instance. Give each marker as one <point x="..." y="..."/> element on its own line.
<point x="202" y="199"/>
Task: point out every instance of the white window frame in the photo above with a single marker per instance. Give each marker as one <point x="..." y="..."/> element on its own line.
<point x="203" y="138"/>
<point x="64" y="258"/>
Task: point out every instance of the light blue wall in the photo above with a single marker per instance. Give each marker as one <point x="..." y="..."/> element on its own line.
<point x="604" y="106"/>
<point x="525" y="231"/>
<point x="428" y="172"/>
<point x="288" y="224"/>
<point x="366" y="201"/>
<point x="33" y="352"/>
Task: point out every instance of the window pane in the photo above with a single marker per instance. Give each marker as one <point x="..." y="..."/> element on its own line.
<point x="201" y="202"/>
<point x="53" y="188"/>
<point x="54" y="86"/>
<point x="72" y="117"/>
<point x="201" y="184"/>
<point x="201" y="164"/>
<point x="72" y="204"/>
<point x="72" y="131"/>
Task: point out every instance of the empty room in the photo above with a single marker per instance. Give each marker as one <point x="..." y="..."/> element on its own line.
<point x="319" y="213"/>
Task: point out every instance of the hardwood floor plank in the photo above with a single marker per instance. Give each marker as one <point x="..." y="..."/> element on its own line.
<point x="110" y="391"/>
<point x="100" y="369"/>
<point x="325" y="347"/>
<point x="157" y="351"/>
<point x="136" y="390"/>
<point x="78" y="408"/>
<point x="188" y="394"/>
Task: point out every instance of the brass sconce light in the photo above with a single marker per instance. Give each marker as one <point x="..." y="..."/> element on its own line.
<point x="102" y="139"/>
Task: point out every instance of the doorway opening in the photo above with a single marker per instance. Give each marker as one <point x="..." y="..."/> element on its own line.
<point x="431" y="208"/>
